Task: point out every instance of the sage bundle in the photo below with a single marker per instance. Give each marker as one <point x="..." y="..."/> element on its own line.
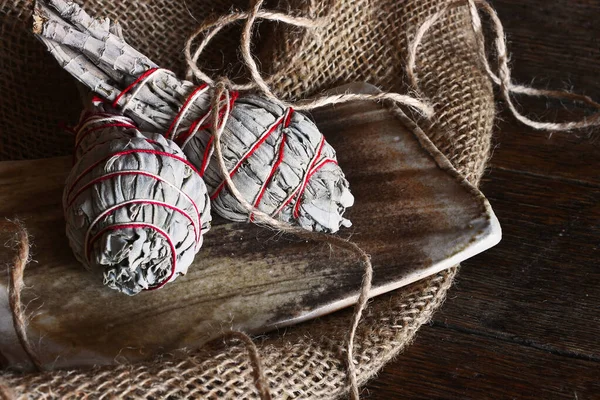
<point x="277" y="158"/>
<point x="134" y="206"/>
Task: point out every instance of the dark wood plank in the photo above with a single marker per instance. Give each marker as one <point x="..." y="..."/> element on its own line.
<point x="438" y="220"/>
<point x="555" y="42"/>
<point x="541" y="286"/>
<point x="555" y="45"/>
<point x="523" y="319"/>
<point x="564" y="156"/>
<point x="445" y="364"/>
<point x="532" y="301"/>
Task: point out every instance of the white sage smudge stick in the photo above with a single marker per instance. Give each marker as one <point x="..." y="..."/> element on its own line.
<point x="134" y="206"/>
<point x="277" y="158"/>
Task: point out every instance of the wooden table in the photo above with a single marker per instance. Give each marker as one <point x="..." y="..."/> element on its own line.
<point x="523" y="319"/>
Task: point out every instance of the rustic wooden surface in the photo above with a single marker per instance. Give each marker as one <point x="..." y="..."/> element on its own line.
<point x="523" y="320"/>
<point x="413" y="212"/>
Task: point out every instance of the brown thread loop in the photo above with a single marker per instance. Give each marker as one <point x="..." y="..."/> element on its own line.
<point x="260" y="380"/>
<point x="258" y="82"/>
<point x="503" y="77"/>
<point x="220" y="101"/>
<point x="17" y="269"/>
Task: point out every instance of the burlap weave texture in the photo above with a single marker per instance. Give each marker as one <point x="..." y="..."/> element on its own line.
<point x="366" y="41"/>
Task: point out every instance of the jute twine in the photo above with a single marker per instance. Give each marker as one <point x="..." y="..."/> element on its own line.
<point x="263" y="379"/>
<point x="20" y="243"/>
<point x="503" y="77"/>
<point x="221" y="101"/>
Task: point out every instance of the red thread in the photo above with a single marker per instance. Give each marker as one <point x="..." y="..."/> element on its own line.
<point x="112" y="140"/>
<point x="119" y="173"/>
<point x="143" y="76"/>
<point x="295" y="191"/>
<point x="124" y="153"/>
<point x="254" y="147"/>
<point x="206" y="156"/>
<point x="183" y="107"/>
<point x="233" y="96"/>
<point x="85" y="118"/>
<point x="321" y="165"/>
<point x="288" y="201"/>
<point x="184" y="137"/>
<point x="275" y="166"/>
<point x="108" y="122"/>
<point x="297" y="205"/>
<point x="136" y="226"/>
<point x="288" y="117"/>
<point x="298" y="198"/>
<point x="180" y="140"/>
<point x="106" y="213"/>
<point x="90" y="116"/>
<point x="87" y="131"/>
<point x="301" y="194"/>
<point x="97" y="100"/>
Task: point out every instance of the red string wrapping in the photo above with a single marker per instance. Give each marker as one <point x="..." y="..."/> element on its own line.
<point x="110" y="148"/>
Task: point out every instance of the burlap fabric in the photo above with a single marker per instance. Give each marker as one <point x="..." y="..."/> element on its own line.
<point x="365" y="41"/>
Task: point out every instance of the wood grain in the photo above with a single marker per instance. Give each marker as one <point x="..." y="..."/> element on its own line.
<point x="523" y="319"/>
<point x="547" y="272"/>
<point x="449" y="364"/>
<point x="414" y="214"/>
